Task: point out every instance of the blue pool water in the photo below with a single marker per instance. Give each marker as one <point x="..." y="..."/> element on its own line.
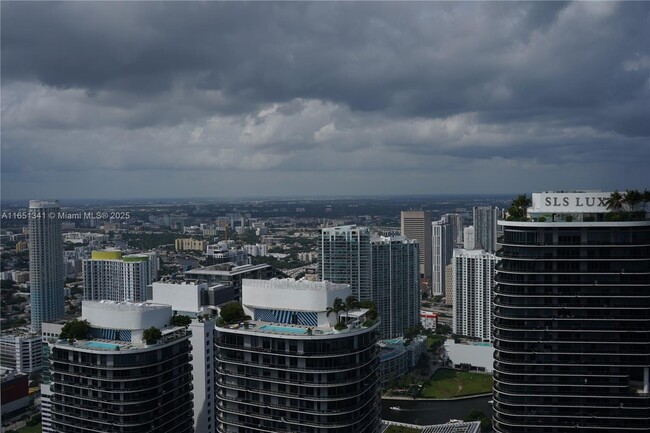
<point x="98" y="345"/>
<point x="283" y="329"/>
<point x="393" y="341"/>
<point x="482" y="344"/>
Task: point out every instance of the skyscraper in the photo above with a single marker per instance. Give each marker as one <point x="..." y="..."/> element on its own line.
<point x="46" y="272"/>
<point x="396" y="283"/>
<point x="379" y="269"/>
<point x="457" y="220"/>
<point x="417" y="225"/>
<point x="300" y="376"/>
<point x="473" y="275"/>
<point x="116" y="381"/>
<point x="110" y="276"/>
<point x="572" y="319"/>
<point x="344" y="258"/>
<point x="485" y="227"/>
<point x="442" y="247"/>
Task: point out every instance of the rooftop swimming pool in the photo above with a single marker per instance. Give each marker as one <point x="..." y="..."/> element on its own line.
<point x="482" y="344"/>
<point x="99" y="345"/>
<point x="285" y="329"/>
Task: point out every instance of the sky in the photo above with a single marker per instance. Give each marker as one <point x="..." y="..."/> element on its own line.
<point x="228" y="99"/>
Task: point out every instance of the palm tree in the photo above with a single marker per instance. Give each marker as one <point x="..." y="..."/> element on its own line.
<point x="645" y="198"/>
<point x="350" y="304"/>
<point x="519" y="207"/>
<point x="632" y="198"/>
<point x="336" y="308"/>
<point x="615" y="201"/>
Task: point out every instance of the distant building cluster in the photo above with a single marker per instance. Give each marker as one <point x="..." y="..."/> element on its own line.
<point x="552" y="303"/>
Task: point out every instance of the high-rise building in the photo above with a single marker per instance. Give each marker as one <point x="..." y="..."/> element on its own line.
<point x="115" y="381"/>
<point x="473" y="281"/>
<point x="449" y="284"/>
<point x="572" y="319"/>
<point x="485" y="228"/>
<point x="290" y="370"/>
<point x="189" y="299"/>
<point x="46" y="271"/>
<point x="442" y="246"/>
<point x="469" y="238"/>
<point x="344" y="258"/>
<point x="417" y="225"/>
<point x="110" y="276"/>
<point x="396" y="283"/>
<point x="457" y="220"/>
<point x="379" y="269"/>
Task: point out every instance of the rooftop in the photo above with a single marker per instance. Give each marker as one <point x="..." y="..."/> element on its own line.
<point x="226" y="270"/>
<point x="290" y="330"/>
<point x="106" y="345"/>
<point x="291" y="284"/>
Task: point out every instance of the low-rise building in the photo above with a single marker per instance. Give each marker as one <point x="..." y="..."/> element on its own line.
<point x="20" y="350"/>
<point x="477" y="356"/>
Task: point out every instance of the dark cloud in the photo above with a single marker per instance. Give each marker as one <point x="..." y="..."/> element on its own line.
<point x="277" y="86"/>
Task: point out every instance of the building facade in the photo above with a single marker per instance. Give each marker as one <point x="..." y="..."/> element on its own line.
<point x="443" y="241"/>
<point x="46" y="272"/>
<point x="189" y="244"/>
<point x="485" y="228"/>
<point x="380" y="269"/>
<point x="396" y="283"/>
<point x="289" y="370"/>
<point x="473" y="282"/>
<point x="21" y="352"/>
<point x="191" y="299"/>
<point x="571" y="320"/>
<point x="117" y="382"/>
<point x="110" y="276"/>
<point x="345" y="258"/>
<point x="417" y="225"/>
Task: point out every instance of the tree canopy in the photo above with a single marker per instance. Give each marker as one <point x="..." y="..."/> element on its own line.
<point x="151" y="335"/>
<point x="75" y="329"/>
<point x="181" y="320"/>
<point x="232" y="312"/>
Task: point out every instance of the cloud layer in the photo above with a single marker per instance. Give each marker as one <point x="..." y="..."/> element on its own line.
<point x="224" y="99"/>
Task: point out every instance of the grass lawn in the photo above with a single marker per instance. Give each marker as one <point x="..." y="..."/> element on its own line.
<point x="31" y="429"/>
<point x="447" y="383"/>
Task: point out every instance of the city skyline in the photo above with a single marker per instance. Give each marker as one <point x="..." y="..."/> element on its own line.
<point x="125" y="100"/>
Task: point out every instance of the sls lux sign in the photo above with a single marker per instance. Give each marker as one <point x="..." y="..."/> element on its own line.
<point x="567" y="202"/>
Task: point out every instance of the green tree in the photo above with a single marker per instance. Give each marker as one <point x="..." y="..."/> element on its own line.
<point x="232" y="312"/>
<point x="151" y="335"/>
<point x="350" y="304"/>
<point x="75" y="330"/>
<point x="372" y="309"/>
<point x="519" y="208"/>
<point x="180" y="320"/>
<point x="632" y="198"/>
<point x="645" y="198"/>
<point x="411" y="333"/>
<point x="336" y="308"/>
<point x="615" y="201"/>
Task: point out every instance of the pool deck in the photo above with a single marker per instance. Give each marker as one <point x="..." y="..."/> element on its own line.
<point x="257" y="326"/>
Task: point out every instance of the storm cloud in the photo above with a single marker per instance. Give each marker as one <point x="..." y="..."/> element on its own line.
<point x="104" y="99"/>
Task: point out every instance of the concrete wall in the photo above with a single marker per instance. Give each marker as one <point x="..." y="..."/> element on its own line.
<point x="477" y="356"/>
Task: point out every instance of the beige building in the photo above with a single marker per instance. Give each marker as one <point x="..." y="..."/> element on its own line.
<point x="449" y="284"/>
<point x="417" y="225"/>
<point x="190" y="244"/>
